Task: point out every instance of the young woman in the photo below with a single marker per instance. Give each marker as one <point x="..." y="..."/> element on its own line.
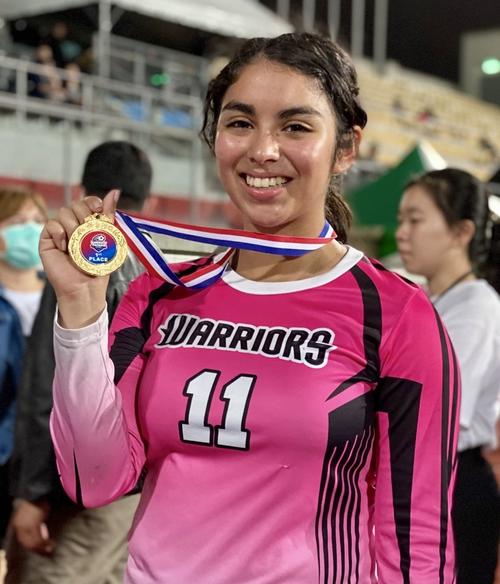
<point x="446" y="234"/>
<point x="297" y="418"/>
<point x="22" y="214"/>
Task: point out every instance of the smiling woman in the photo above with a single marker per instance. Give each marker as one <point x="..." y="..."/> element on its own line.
<point x="282" y="415"/>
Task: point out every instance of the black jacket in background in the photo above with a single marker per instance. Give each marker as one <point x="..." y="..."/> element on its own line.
<point x="34" y="473"/>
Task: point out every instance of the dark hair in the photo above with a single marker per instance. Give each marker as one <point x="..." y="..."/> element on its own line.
<point x="459" y="195"/>
<point x="315" y="57"/>
<point x="118" y="165"/>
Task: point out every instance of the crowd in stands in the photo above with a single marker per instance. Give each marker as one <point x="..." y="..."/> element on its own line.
<point x="404" y="107"/>
<point x="54" y="53"/>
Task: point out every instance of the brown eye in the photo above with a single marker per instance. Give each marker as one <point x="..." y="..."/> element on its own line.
<point x="238" y="124"/>
<point x="296" y="128"/>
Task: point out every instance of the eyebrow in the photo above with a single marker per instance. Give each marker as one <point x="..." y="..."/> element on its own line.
<point x="409" y="211"/>
<point x="249" y="110"/>
<point x="239" y="106"/>
<point x="299" y="111"/>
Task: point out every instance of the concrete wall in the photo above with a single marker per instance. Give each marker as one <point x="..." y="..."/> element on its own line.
<point x="37" y="150"/>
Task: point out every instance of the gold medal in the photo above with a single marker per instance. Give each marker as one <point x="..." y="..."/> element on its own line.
<point x="97" y="247"/>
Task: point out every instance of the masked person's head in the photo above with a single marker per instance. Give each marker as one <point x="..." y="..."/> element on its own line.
<point x="22" y="215"/>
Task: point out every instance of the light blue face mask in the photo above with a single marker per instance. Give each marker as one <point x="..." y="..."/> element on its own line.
<point x="21" y="245"/>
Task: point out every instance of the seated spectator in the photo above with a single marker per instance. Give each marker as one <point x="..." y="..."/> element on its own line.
<point x="397" y="106"/>
<point x="64" y="49"/>
<point x="72" y="84"/>
<point x="487" y="146"/>
<point x="426" y="115"/>
<point x="45" y="82"/>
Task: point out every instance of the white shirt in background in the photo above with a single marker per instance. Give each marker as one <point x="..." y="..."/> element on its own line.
<point x="471" y="313"/>
<point x="26" y="305"/>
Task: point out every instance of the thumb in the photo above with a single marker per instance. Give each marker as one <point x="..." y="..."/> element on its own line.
<point x="109" y="203"/>
<point x="48" y="543"/>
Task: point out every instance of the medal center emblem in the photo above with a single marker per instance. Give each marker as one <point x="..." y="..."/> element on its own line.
<point x="97" y="247"/>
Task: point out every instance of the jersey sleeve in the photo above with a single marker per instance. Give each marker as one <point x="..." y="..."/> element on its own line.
<point x="417" y="427"/>
<point x="99" y="448"/>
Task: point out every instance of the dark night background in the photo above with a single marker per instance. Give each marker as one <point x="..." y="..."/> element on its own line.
<point x="422" y="34"/>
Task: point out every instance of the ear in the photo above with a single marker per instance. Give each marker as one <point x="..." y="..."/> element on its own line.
<point x="347" y="151"/>
<point x="465" y="231"/>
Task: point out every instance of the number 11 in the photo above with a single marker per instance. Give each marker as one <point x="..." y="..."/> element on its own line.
<point x="236" y="393"/>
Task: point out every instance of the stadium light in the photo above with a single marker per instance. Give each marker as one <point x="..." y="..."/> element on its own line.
<point x="160" y="79"/>
<point x="490" y="66"/>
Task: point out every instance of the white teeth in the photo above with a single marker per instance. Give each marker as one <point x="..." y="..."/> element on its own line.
<point x="264" y="183"/>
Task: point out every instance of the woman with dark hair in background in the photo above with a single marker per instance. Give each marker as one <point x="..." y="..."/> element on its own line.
<point x="22" y="214"/>
<point x="447" y="234"/>
<point x="296" y="418"/>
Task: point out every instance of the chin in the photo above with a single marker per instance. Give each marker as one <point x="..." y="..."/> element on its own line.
<point x="266" y="223"/>
<point x="265" y="218"/>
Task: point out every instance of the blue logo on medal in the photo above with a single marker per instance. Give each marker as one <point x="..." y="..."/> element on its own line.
<point x="98" y="247"/>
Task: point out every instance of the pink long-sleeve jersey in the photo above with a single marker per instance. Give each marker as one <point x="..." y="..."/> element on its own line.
<point x="290" y="433"/>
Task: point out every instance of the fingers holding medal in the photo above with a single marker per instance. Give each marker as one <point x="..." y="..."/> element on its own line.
<point x="86" y="231"/>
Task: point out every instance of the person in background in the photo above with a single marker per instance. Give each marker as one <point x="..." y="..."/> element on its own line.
<point x="53" y="540"/>
<point x="64" y="49"/>
<point x="72" y="84"/>
<point x="296" y="417"/>
<point x="45" y="83"/>
<point x="22" y="214"/>
<point x="447" y="234"/>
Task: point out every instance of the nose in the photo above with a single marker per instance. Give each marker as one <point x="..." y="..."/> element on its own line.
<point x="401" y="232"/>
<point x="264" y="147"/>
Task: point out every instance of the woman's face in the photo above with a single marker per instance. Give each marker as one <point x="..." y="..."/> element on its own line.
<point x="27" y="212"/>
<point x="275" y="144"/>
<point x="425" y="241"/>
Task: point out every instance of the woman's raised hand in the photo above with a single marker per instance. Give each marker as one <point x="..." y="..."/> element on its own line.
<point x="81" y="297"/>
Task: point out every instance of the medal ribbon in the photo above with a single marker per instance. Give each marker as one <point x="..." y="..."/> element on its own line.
<point x="133" y="226"/>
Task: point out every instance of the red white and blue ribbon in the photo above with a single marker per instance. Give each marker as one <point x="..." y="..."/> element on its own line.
<point x="134" y="226"/>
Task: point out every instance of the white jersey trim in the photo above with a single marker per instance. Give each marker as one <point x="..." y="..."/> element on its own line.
<point x="235" y="280"/>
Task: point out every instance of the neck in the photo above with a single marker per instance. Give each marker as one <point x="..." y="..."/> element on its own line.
<point x="265" y="267"/>
<point x="19" y="280"/>
<point x="443" y="279"/>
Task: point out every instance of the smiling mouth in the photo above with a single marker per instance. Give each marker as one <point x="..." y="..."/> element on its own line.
<point x="270" y="182"/>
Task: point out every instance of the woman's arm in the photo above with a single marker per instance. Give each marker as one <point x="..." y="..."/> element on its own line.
<point x="100" y="452"/>
<point x="417" y="428"/>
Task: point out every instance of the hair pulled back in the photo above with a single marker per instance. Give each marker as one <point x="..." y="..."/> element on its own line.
<point x="316" y="57"/>
<point x="459" y="195"/>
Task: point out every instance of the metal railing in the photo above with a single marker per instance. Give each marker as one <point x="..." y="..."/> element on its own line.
<point x="168" y="122"/>
<point x="145" y="64"/>
<point x="103" y="101"/>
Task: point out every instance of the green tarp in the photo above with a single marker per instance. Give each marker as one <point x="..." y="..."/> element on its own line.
<point x="377" y="203"/>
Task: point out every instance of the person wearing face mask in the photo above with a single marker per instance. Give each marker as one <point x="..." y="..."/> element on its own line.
<point x="52" y="540"/>
<point x="22" y="214"/>
<point x="448" y="235"/>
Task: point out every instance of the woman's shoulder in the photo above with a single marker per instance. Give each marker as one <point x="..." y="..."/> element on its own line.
<point x="390" y="285"/>
<point x="475" y="298"/>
